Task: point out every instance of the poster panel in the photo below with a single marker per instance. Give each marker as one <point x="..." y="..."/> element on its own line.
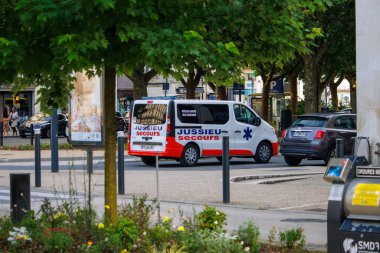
<point x="86" y="111"/>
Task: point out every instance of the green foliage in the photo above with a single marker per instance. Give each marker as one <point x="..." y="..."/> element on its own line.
<point x="57" y="241"/>
<point x="174" y="248"/>
<point x="210" y="241"/>
<point x="248" y="235"/>
<point x="160" y="236"/>
<point x="293" y="239"/>
<point x="139" y="211"/>
<point x="211" y="219"/>
<point x="123" y="235"/>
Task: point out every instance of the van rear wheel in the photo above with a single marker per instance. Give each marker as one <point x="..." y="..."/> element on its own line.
<point x="190" y="156"/>
<point x="263" y="152"/>
<point x="149" y="160"/>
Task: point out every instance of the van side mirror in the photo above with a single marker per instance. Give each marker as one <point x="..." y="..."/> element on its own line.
<point x="257" y="121"/>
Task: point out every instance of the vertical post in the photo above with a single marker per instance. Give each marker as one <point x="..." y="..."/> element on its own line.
<point x="226" y="170"/>
<point x="120" y="161"/>
<point x="37" y="157"/>
<point x="158" y="188"/>
<point x="89" y="171"/>
<point x="1" y="132"/>
<point x="31" y="134"/>
<point x="339" y="148"/>
<point x="20" y="196"/>
<point x="54" y="141"/>
<point x="1" y="119"/>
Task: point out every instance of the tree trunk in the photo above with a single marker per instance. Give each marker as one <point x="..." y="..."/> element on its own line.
<point x="110" y="147"/>
<point x="293" y="93"/>
<point x="311" y="84"/>
<point x="139" y="87"/>
<point x="222" y="93"/>
<point x="141" y="80"/>
<point x="190" y="90"/>
<point x="352" y="81"/>
<point x="265" y="100"/>
<point x="321" y="87"/>
<point x="334" y="96"/>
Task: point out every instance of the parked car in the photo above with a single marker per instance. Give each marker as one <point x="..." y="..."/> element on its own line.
<point x="121" y="123"/>
<point x="43" y="121"/>
<point x="313" y="136"/>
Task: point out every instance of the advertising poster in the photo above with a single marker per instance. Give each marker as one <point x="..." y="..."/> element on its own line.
<point x="86" y="110"/>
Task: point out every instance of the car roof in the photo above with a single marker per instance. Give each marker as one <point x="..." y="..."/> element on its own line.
<point x="327" y="114"/>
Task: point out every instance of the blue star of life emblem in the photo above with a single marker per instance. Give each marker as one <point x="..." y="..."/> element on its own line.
<point x="247" y="134"/>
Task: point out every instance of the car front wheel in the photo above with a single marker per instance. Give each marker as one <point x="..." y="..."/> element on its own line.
<point x="190" y="156"/>
<point x="263" y="152"/>
<point x="292" y="161"/>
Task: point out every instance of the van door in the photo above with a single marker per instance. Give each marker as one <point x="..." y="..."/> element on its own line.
<point x="215" y="121"/>
<point x="245" y="132"/>
<point x="148" y="126"/>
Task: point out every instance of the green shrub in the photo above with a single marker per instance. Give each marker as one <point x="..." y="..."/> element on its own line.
<point x="123" y="235"/>
<point x="292" y="239"/>
<point x="58" y="240"/>
<point x="211" y="219"/>
<point x="160" y="236"/>
<point x="248" y="235"/>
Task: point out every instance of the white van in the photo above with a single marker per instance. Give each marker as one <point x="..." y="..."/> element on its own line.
<point x="186" y="130"/>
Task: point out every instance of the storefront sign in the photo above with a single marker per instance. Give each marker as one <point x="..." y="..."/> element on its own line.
<point x="86" y="111"/>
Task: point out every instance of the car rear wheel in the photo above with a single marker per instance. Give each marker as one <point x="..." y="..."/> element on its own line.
<point x="190" y="156"/>
<point x="149" y="160"/>
<point x="330" y="154"/>
<point x="292" y="161"/>
<point x="263" y="152"/>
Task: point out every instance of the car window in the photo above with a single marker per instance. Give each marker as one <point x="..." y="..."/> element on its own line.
<point x="150" y="114"/>
<point x="214" y="114"/>
<point x="189" y="113"/>
<point x="345" y="122"/>
<point x="310" y="121"/>
<point x="243" y="114"/>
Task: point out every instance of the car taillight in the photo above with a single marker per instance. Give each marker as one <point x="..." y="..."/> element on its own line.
<point x="168" y="127"/>
<point x="283" y="134"/>
<point x="319" y="135"/>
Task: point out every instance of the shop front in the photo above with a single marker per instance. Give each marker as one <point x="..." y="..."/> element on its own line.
<point x="22" y="101"/>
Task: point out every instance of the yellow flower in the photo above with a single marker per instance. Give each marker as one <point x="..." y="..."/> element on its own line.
<point x="107" y="206"/>
<point x="25" y="237"/>
<point x="18" y="237"/>
<point x="181" y="228"/>
<point x="59" y="214"/>
<point x="89" y="243"/>
<point x="124" y="251"/>
<point x="166" y="219"/>
<point x="100" y="225"/>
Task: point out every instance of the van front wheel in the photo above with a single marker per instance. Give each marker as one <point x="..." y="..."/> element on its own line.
<point x="263" y="152"/>
<point x="149" y="160"/>
<point x="190" y="156"/>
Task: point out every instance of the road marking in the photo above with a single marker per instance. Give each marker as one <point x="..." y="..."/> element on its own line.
<point x="293" y="207"/>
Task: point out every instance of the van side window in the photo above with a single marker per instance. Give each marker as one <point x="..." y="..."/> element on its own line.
<point x="244" y="115"/>
<point x="215" y="114"/>
<point x="189" y="113"/>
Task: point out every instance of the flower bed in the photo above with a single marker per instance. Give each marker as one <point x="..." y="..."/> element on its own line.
<point x="72" y="228"/>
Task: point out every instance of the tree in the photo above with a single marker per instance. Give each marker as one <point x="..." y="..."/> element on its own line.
<point x="336" y="23"/>
<point x="83" y="35"/>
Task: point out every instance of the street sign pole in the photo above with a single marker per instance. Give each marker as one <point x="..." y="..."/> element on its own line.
<point x="54" y="141"/>
<point x="158" y="189"/>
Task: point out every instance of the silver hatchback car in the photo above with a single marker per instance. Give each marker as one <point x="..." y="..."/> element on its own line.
<point x="313" y="136"/>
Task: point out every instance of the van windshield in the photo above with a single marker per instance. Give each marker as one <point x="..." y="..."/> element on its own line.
<point x="149" y="114"/>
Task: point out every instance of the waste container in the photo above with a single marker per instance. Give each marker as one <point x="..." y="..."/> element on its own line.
<point x="353" y="215"/>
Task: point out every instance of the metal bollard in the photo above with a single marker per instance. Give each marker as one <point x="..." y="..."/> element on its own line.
<point x="31" y="134"/>
<point x="37" y="157"/>
<point x="120" y="161"/>
<point x="54" y="141"/>
<point x="1" y="133"/>
<point x="226" y="170"/>
<point x="20" y="196"/>
<point x="339" y="148"/>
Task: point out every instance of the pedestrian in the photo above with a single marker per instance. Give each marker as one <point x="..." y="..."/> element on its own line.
<point x="13" y="119"/>
<point x="6" y="121"/>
